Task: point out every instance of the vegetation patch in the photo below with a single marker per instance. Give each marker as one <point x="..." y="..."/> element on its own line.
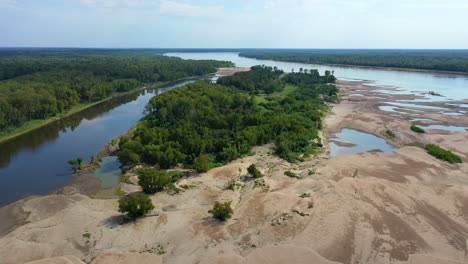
<point x="390" y="134"/>
<point x="442" y="154"/>
<point x="254" y="172"/>
<point x="291" y="174"/>
<point x="417" y="129"/>
<point x="222" y="211"/>
<point x="135" y="205"/>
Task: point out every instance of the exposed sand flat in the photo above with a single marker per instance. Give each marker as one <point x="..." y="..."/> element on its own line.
<point x="405" y="207"/>
<point x="231" y="71"/>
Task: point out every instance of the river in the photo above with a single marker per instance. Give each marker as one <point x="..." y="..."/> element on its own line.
<point x="36" y="162"/>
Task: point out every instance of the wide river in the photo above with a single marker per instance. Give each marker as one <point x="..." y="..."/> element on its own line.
<point x="36" y="162"/>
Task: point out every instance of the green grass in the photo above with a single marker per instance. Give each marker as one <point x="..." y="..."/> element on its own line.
<point x="442" y="154"/>
<point x="291" y="174"/>
<point x="390" y="134"/>
<point x="417" y="129"/>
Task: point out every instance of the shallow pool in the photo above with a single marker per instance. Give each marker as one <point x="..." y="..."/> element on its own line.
<point x="109" y="172"/>
<point x="361" y="142"/>
<point x="442" y="127"/>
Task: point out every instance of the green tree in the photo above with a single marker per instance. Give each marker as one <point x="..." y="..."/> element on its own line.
<point x="254" y="172"/>
<point x="222" y="211"/>
<point x="202" y="163"/>
<point x="76" y="164"/>
<point x="135" y="205"/>
<point x="152" y="180"/>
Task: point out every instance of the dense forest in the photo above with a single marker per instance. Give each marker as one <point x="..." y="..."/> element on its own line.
<point x="42" y="85"/>
<point x="456" y="61"/>
<point x="216" y="123"/>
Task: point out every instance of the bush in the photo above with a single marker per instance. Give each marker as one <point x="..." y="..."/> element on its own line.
<point x="135" y="205"/>
<point x="152" y="180"/>
<point x="201" y="163"/>
<point x="221" y="211"/>
<point x="417" y="129"/>
<point x="291" y="174"/>
<point x="390" y="134"/>
<point x="442" y="154"/>
<point x="254" y="172"/>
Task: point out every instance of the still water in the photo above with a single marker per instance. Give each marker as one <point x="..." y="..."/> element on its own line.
<point x="450" y="85"/>
<point x="36" y="162"/>
<point x="361" y="141"/>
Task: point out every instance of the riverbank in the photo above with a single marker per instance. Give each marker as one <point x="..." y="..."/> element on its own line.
<point x="404" y="207"/>
<point x="36" y="124"/>
<point x="372" y="67"/>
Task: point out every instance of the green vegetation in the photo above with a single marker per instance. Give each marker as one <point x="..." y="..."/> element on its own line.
<point x="442" y="154"/>
<point x="203" y="125"/>
<point x="202" y="163"/>
<point x="390" y="134"/>
<point x="135" y="205"/>
<point x="153" y="181"/>
<point x="254" y="172"/>
<point x="417" y="129"/>
<point x="221" y="211"/>
<point x="34" y="89"/>
<point x="440" y="60"/>
<point x="77" y="164"/>
<point x="291" y="174"/>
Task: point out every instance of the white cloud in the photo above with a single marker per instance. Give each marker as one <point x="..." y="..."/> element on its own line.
<point x="115" y="3"/>
<point x="183" y="9"/>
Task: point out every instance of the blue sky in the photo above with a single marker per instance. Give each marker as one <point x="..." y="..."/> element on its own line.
<point x="234" y="23"/>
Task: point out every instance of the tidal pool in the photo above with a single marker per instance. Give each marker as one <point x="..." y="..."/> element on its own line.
<point x="356" y="142"/>
<point x="109" y="172"/>
<point x="442" y="127"/>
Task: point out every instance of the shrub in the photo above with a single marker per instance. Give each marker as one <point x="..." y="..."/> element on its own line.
<point x="291" y="174"/>
<point x="201" y="163"/>
<point x="254" y="172"/>
<point x="135" y="205"/>
<point x="221" y="211"/>
<point x="417" y="129"/>
<point x="442" y="154"/>
<point x="76" y="164"/>
<point x="390" y="134"/>
<point x="152" y="180"/>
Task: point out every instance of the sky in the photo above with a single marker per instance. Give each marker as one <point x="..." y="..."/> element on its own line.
<point x="411" y="24"/>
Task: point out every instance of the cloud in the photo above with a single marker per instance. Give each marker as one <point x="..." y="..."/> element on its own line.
<point x="184" y="9"/>
<point x="115" y="3"/>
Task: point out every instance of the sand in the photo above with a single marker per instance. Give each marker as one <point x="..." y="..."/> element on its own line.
<point x="374" y="207"/>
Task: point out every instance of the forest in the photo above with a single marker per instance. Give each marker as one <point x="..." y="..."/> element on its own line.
<point x="437" y="60"/>
<point x="41" y="85"/>
<point x="211" y="124"/>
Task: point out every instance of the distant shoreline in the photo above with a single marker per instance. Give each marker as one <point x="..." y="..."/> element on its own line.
<point x="371" y="67"/>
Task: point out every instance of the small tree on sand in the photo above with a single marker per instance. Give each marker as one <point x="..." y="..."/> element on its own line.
<point x="252" y="170"/>
<point x="135" y="205"/>
<point x="221" y="211"/>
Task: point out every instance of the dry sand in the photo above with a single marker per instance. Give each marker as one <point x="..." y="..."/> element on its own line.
<point x="374" y="207"/>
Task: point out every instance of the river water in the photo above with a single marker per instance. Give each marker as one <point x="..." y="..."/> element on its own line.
<point x="36" y="162"/>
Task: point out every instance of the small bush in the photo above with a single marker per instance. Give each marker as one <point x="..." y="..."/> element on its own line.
<point x="152" y="180"/>
<point x="202" y="163"/>
<point x="221" y="211"/>
<point x="135" y="205"/>
<point x="254" y="172"/>
<point x="442" y="154"/>
<point x="417" y="129"/>
<point x="390" y="134"/>
<point x="291" y="174"/>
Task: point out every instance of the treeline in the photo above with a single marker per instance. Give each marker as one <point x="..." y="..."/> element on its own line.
<point x="39" y="87"/>
<point x="210" y="124"/>
<point x="456" y="61"/>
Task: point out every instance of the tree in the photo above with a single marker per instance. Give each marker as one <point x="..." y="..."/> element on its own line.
<point x="152" y="180"/>
<point x="222" y="211"/>
<point x="76" y="164"/>
<point x="202" y="163"/>
<point x="254" y="172"/>
<point x="135" y="205"/>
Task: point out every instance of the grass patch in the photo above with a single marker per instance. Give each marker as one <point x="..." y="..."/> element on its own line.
<point x="291" y="174"/>
<point x="417" y="129"/>
<point x="442" y="154"/>
<point x="390" y="134"/>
